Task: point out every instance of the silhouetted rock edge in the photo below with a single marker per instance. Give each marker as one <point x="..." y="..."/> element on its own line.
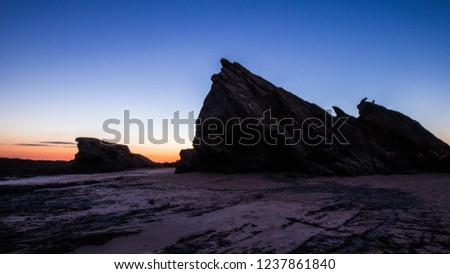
<point x="380" y="140"/>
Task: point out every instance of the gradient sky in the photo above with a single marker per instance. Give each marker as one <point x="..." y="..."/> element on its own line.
<point x="66" y="66"/>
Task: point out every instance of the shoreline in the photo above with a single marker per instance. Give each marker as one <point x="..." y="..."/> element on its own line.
<point x="157" y="211"/>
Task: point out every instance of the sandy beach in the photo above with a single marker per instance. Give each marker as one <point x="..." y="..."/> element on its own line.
<point x="157" y="211"/>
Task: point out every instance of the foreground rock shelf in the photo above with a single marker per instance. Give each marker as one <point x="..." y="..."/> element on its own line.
<point x="156" y="211"/>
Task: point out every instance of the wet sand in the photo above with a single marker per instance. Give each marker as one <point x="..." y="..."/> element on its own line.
<point x="156" y="211"/>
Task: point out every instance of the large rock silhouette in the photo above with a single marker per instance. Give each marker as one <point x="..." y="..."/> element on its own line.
<point x="247" y="124"/>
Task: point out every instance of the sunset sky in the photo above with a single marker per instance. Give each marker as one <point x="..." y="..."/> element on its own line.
<point x="67" y="66"/>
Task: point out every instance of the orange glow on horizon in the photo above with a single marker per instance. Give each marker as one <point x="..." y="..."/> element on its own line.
<point x="160" y="154"/>
<point x="68" y="153"/>
<point x="38" y="152"/>
<point x="161" y="158"/>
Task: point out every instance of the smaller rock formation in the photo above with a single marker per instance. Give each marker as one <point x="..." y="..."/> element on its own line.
<point x="93" y="156"/>
<point x="96" y="155"/>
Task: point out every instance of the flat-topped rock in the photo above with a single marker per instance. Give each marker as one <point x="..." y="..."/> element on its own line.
<point x="94" y="154"/>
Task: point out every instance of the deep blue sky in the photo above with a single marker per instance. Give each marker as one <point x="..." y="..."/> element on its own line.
<point x="66" y="66"/>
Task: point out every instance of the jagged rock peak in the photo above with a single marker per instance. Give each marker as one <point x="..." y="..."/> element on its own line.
<point x="378" y="141"/>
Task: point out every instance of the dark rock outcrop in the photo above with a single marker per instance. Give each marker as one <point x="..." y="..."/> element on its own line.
<point x="188" y="163"/>
<point x="94" y="154"/>
<point x="248" y="124"/>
